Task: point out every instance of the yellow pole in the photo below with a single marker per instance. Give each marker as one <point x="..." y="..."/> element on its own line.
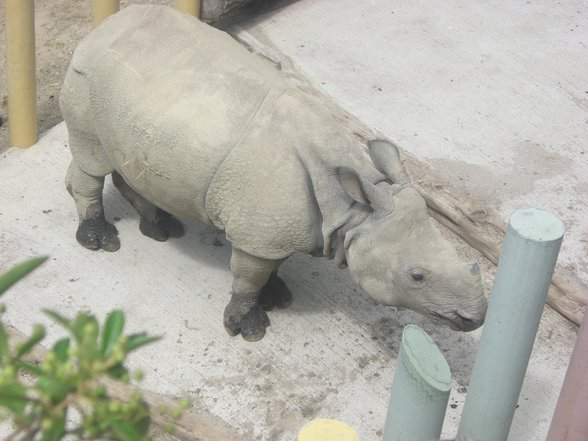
<point x="191" y="7"/>
<point x="20" y="58"/>
<point x="102" y="9"/>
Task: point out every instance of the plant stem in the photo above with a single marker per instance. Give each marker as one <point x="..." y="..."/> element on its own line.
<point x="30" y="430"/>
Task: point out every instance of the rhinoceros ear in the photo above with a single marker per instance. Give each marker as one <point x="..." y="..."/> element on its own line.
<point x="362" y="192"/>
<point x="386" y="158"/>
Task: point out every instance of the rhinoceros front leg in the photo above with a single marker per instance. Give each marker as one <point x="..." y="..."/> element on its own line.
<point x="93" y="230"/>
<point x="155" y="223"/>
<point x="244" y="314"/>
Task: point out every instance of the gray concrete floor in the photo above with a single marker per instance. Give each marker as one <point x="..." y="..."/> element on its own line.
<point x="489" y="93"/>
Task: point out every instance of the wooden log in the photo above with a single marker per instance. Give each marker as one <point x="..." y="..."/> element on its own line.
<point x="213" y="11"/>
<point x="192" y="426"/>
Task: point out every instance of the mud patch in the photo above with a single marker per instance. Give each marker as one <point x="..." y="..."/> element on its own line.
<point x="510" y="178"/>
<point x="387" y="331"/>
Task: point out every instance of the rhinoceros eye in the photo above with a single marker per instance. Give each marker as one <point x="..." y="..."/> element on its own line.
<point x="417" y="274"/>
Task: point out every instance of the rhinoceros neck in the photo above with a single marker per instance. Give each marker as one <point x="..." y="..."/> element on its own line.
<point x="324" y="143"/>
<point x="338" y="250"/>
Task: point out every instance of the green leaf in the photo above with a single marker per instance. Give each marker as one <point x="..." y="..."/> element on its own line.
<point x="99" y="392"/>
<point x="135" y="341"/>
<point x="55" y="389"/>
<point x="29" y="367"/>
<point x="60" y="349"/>
<point x="13" y="275"/>
<point x="143" y="424"/>
<point x="79" y="329"/>
<point x="13" y="397"/>
<point x="117" y="371"/>
<point x="125" y="431"/>
<point x="26" y="347"/>
<point x="56" y="431"/>
<point x="85" y="329"/>
<point x="4" y="349"/>
<point x="63" y="321"/>
<point x="113" y="328"/>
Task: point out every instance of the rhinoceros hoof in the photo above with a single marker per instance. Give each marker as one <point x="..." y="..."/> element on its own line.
<point x="165" y="226"/>
<point x="98" y="234"/>
<point x="251" y="325"/>
<point x="275" y="294"/>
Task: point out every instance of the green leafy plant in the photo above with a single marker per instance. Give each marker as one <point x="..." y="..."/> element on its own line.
<point x="66" y="392"/>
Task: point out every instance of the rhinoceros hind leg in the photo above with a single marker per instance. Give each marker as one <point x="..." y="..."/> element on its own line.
<point x="93" y="230"/>
<point x="162" y="227"/>
<point x="275" y="294"/>
<point x="155" y="222"/>
<point x="244" y="315"/>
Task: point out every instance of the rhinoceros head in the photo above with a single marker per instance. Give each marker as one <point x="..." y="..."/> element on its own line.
<point x="399" y="258"/>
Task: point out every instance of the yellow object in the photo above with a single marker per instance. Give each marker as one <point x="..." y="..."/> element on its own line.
<point x="191" y="7"/>
<point x="20" y="57"/>
<point x="323" y="429"/>
<point x="102" y="9"/>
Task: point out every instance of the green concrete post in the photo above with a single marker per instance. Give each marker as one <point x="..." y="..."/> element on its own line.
<point x="420" y="390"/>
<point x="525" y="268"/>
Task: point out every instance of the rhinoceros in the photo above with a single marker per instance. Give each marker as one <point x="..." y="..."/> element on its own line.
<point x="191" y="125"/>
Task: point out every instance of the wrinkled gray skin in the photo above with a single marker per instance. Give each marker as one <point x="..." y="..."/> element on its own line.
<point x="191" y="125"/>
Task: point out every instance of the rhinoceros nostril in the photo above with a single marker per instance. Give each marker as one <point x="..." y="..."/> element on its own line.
<point x="474" y="268"/>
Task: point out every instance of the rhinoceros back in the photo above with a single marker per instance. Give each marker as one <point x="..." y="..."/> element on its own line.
<point x="171" y="97"/>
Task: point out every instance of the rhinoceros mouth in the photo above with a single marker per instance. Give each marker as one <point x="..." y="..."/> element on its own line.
<point x="458" y="320"/>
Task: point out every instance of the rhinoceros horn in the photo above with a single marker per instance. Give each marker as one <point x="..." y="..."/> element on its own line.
<point x="386" y="158"/>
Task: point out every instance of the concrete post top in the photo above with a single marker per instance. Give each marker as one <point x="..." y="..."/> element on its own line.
<point x="324" y="429"/>
<point x="537" y="225"/>
<point x="423" y="359"/>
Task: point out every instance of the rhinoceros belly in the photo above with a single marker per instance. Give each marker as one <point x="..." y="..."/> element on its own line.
<point x="171" y="98"/>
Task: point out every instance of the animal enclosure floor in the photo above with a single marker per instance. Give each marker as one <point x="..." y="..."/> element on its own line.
<point x="331" y="354"/>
